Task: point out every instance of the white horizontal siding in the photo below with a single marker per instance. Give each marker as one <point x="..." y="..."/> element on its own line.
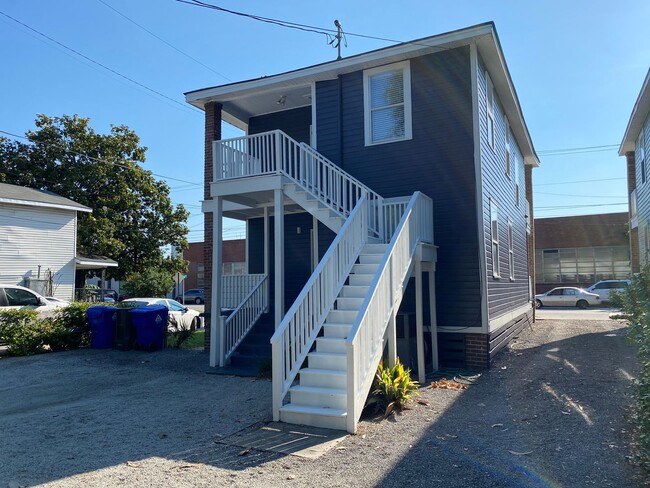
<point x="33" y="236"/>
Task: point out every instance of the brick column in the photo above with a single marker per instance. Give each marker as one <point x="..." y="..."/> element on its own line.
<point x="633" y="233"/>
<point x="212" y="133"/>
<point x="531" y="238"/>
<point x="477" y="351"/>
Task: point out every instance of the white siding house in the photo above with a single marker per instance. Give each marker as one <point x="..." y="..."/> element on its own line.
<point x="38" y="239"/>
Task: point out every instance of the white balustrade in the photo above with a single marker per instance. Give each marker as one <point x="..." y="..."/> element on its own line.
<point x="300" y="326"/>
<point x="234" y="328"/>
<point x="237" y="287"/>
<point x="365" y="342"/>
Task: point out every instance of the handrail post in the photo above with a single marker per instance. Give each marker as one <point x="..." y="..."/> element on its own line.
<point x="222" y="341"/>
<point x="351" y="389"/>
<point x="216" y="159"/>
<point x="278" y="377"/>
<point x="279" y="167"/>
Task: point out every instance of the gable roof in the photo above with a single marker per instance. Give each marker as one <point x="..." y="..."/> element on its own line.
<point x="22" y="195"/>
<point x="238" y="99"/>
<point x="639" y="114"/>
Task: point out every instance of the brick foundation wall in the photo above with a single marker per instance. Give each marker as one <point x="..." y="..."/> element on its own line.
<point x="476" y="351"/>
<point x="212" y="133"/>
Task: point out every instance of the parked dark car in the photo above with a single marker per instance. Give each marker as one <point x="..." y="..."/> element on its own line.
<point x="195" y="295"/>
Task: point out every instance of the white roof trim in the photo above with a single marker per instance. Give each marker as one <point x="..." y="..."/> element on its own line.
<point x="639" y="114"/>
<point x="96" y="264"/>
<point x="32" y="203"/>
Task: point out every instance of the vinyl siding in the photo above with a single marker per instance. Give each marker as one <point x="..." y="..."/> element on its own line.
<point x="293" y="122"/>
<point x="33" y="236"/>
<point x="297" y="251"/>
<point x="643" y="189"/>
<point x="438" y="160"/>
<point x="504" y="294"/>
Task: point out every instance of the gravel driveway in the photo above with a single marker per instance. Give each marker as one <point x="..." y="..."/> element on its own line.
<point x="551" y="412"/>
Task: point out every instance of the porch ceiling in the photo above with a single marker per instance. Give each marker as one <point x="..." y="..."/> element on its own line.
<point x="251" y="205"/>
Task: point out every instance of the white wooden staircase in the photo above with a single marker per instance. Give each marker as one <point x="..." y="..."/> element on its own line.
<point x="330" y="342"/>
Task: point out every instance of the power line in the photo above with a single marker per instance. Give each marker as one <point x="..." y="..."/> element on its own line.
<point x="569" y="153"/>
<point x="98" y="159"/>
<point x="304" y="27"/>
<point x="579" y="181"/>
<point x="579" y="206"/>
<point x="111" y="70"/>
<point x="581" y="196"/>
<point x="568" y="149"/>
<point x="163" y="40"/>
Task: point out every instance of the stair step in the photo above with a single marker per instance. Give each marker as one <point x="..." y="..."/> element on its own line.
<point x="370" y="258"/>
<point x="328" y="360"/>
<point x="349" y="303"/>
<point x="313" y="396"/>
<point x="325" y="378"/>
<point x="349" y="291"/>
<point x="370" y="269"/>
<point x="374" y="249"/>
<point x="360" y="279"/>
<point x="342" y="316"/>
<point x="336" y="330"/>
<point x="327" y="418"/>
<point x="331" y="344"/>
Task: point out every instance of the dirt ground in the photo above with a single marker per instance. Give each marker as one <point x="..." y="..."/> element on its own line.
<point x="552" y="412"/>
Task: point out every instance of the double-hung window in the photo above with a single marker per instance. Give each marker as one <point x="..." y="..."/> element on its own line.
<point x="511" y="251"/>
<point x="489" y="100"/>
<point x="494" y="218"/>
<point x="387" y="103"/>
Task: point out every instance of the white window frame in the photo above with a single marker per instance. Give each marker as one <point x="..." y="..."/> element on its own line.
<point x="489" y="103"/>
<point x="405" y="66"/>
<point x="494" y="231"/>
<point x="511" y="251"/>
<point x="508" y="154"/>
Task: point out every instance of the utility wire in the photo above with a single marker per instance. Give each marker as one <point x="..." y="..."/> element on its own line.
<point x="304" y="27"/>
<point x="579" y="181"/>
<point x="111" y="70"/>
<point x="98" y="159"/>
<point x="163" y="40"/>
<point x="571" y="149"/>
<point x="580" y="196"/>
<point x="576" y="152"/>
<point x="579" y="206"/>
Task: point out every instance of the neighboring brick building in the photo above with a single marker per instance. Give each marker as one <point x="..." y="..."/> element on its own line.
<point x="581" y="250"/>
<point x="234" y="261"/>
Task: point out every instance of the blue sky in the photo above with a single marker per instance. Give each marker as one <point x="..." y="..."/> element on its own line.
<point x="577" y="67"/>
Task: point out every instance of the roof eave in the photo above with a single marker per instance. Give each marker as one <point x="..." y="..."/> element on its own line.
<point x="32" y="203"/>
<point x="638" y="116"/>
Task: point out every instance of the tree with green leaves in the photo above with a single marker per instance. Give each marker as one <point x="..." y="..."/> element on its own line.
<point x="133" y="216"/>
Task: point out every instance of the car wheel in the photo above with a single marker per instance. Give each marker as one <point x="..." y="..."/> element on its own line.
<point x="196" y="325"/>
<point x="582" y="304"/>
<point x="538" y="304"/>
<point x="197" y="301"/>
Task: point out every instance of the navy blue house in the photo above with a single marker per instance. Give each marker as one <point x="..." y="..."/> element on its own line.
<point x="430" y="136"/>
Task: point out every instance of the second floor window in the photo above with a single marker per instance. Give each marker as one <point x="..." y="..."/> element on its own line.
<point x="387" y="103"/>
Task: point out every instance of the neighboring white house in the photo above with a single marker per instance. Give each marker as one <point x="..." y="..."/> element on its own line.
<point x="38" y="240"/>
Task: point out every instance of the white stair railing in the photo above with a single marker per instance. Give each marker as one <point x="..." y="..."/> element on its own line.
<point x="365" y="342"/>
<point x="234" y="328"/>
<point x="275" y="152"/>
<point x="237" y="287"/>
<point x="297" y="332"/>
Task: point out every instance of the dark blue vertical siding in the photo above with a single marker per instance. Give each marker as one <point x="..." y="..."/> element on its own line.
<point x="297" y="251"/>
<point x="504" y="294"/>
<point x="438" y="160"/>
<point x="294" y="123"/>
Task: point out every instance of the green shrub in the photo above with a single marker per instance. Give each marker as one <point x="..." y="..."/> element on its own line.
<point x="71" y="327"/>
<point x="23" y="332"/>
<point x="635" y="303"/>
<point x="394" y="386"/>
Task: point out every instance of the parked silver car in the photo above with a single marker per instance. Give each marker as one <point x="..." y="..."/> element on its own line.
<point x="566" y="297"/>
<point x="19" y="297"/>
<point x="605" y="287"/>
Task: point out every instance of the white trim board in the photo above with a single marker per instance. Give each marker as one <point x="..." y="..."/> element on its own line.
<point x="502" y="320"/>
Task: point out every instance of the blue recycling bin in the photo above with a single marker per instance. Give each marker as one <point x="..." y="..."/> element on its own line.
<point x="102" y="326"/>
<point x="150" y="324"/>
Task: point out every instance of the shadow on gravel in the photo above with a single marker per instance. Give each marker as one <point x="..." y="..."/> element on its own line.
<point x="76" y="412"/>
<point x="541" y="417"/>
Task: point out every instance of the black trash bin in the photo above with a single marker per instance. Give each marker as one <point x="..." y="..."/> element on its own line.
<point x="124" y="330"/>
<point x="150" y="324"/>
<point x="102" y="326"/>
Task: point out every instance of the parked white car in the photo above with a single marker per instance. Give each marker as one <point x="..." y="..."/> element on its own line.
<point x="603" y="288"/>
<point x="177" y="311"/>
<point x="566" y="297"/>
<point x="19" y="297"/>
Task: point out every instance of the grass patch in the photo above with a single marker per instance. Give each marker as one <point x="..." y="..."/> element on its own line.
<point x="195" y="340"/>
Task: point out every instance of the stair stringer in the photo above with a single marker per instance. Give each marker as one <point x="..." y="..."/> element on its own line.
<point x="323" y="213"/>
